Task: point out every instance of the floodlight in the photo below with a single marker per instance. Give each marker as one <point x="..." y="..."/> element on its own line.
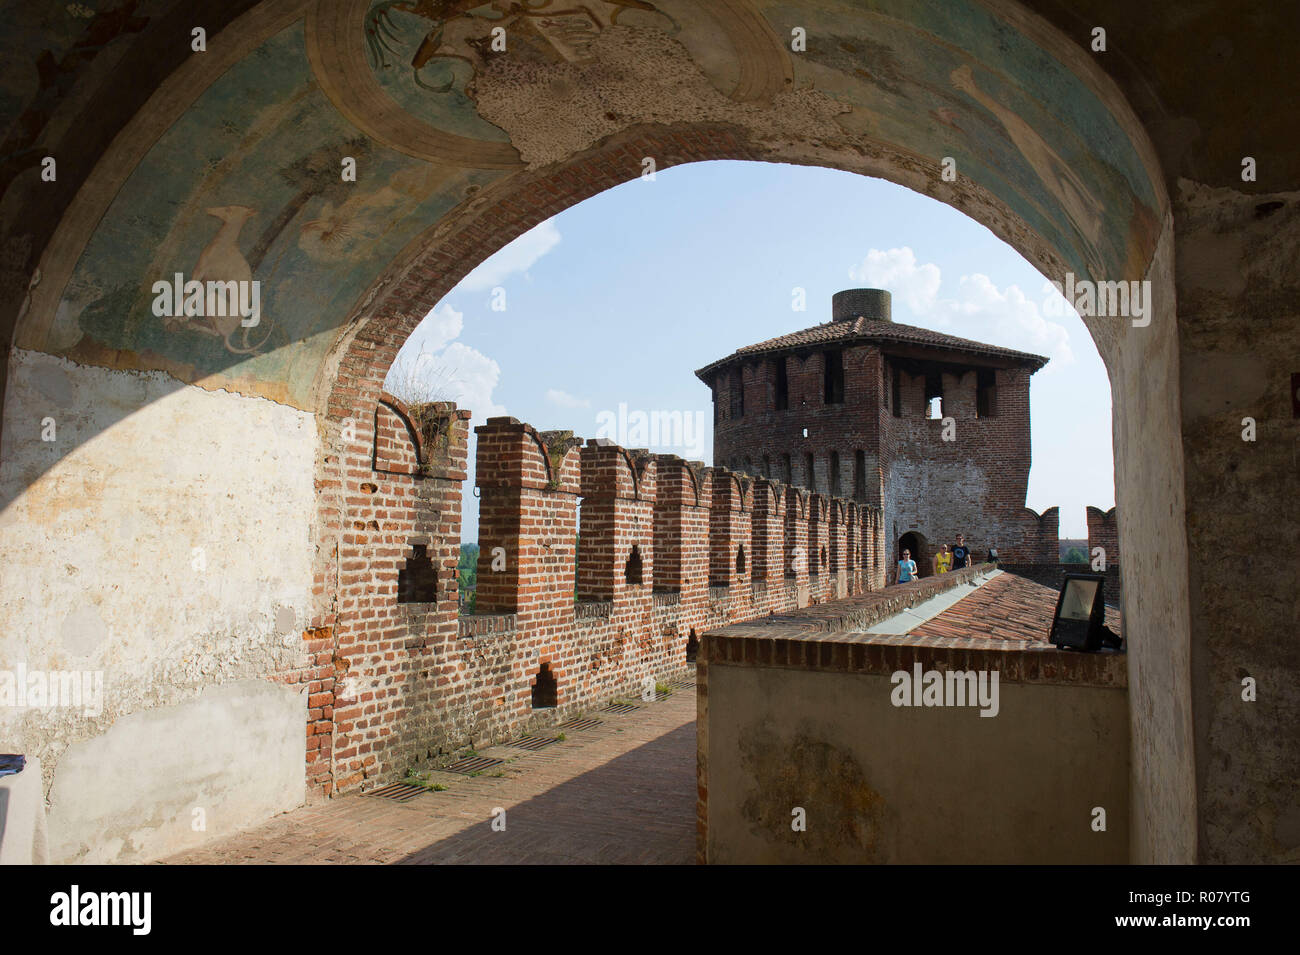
<point x="1080" y="619"/>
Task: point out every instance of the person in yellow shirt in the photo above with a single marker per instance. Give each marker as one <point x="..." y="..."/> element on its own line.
<point x="943" y="561"/>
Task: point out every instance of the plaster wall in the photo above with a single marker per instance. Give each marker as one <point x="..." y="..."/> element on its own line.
<point x="1143" y="363"/>
<point x="228" y="759"/>
<point x="162" y="539"/>
<point x="1239" y="355"/>
<point x="886" y="784"/>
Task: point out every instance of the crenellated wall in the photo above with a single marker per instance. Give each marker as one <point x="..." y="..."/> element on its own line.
<point x="384" y="681"/>
<point x="1103" y="532"/>
<point x="597" y="567"/>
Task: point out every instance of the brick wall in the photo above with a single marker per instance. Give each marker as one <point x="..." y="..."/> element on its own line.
<point x="388" y="553"/>
<point x="596" y="563"/>
<point x="1103" y="532"/>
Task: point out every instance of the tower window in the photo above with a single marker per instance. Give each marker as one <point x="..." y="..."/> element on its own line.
<point x="782" y="386"/>
<point x="985" y="393"/>
<point x="934" y="395"/>
<point x="810" y="475"/>
<point x="834" y="378"/>
<point x="835" y="474"/>
<point x="859" y="476"/>
<point x="897" y="389"/>
<point x="787" y="474"/>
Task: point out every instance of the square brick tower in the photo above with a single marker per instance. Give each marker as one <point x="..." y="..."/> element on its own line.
<point x="931" y="428"/>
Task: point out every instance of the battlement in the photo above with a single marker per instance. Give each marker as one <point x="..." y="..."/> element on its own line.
<point x="597" y="567"/>
<point x="1103" y="532"/>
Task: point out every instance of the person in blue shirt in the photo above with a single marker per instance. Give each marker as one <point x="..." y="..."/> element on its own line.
<point x="906" y="568"/>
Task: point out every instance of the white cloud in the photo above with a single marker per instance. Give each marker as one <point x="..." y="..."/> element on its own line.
<point x="896" y="269"/>
<point x="1004" y="317"/>
<point x="472" y="377"/>
<point x="980" y="310"/>
<point x="518" y="256"/>
<point x="565" y="400"/>
<point x="442" y="325"/>
<point x="432" y="366"/>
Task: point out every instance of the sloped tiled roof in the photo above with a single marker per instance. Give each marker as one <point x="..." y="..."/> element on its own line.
<point x="863" y="330"/>
<point x="1008" y="607"/>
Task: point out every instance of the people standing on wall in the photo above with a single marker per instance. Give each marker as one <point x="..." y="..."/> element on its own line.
<point x="943" y="560"/>
<point x="961" y="555"/>
<point x="906" y="568"/>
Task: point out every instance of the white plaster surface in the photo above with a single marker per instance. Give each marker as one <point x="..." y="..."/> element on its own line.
<point x="162" y="539"/>
<point x="142" y="790"/>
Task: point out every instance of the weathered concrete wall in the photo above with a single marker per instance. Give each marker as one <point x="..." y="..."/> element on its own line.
<point x="161" y="539"/>
<point x="1149" y="469"/>
<point x="886" y="784"/>
<point x="1238" y="289"/>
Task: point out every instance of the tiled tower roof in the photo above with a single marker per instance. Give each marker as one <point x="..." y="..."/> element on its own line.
<point x="879" y="331"/>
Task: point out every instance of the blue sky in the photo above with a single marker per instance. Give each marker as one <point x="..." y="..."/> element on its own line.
<point x="620" y="298"/>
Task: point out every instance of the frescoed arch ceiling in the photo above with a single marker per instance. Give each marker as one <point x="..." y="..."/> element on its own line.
<point x="241" y="164"/>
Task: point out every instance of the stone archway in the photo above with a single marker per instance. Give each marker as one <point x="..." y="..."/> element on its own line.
<point x="1028" y="183"/>
<point x="485" y="225"/>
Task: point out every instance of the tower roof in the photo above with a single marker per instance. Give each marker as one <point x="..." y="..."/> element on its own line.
<point x="875" y="328"/>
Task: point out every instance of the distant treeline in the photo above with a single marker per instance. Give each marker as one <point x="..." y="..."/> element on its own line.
<point x="467" y="576"/>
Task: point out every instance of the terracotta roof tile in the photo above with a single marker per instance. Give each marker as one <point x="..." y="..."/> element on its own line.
<point x="1008" y="607"/>
<point x="862" y="330"/>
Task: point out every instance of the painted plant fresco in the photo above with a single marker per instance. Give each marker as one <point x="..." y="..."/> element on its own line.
<point x="247" y="184"/>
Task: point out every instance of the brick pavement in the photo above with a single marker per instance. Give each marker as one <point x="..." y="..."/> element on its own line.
<point x="622" y="792"/>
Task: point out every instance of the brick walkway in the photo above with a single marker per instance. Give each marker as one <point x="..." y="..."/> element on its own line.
<point x="623" y="792"/>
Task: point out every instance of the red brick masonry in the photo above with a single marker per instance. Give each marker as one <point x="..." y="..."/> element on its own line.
<point x="396" y="677"/>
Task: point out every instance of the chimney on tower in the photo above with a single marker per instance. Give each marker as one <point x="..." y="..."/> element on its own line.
<point x="869" y="303"/>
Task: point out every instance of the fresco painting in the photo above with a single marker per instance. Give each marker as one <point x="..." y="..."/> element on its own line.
<point x="888" y="79"/>
<point x="418" y="47"/>
<point x="250" y="180"/>
<point x="247" y="185"/>
<point x="72" y="36"/>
